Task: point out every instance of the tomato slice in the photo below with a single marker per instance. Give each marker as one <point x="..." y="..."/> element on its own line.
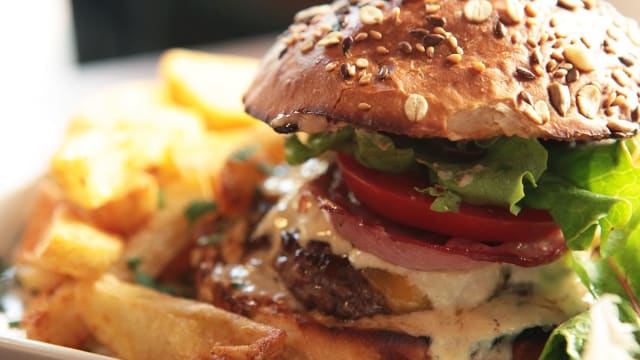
<point x="394" y="197"/>
<point x="417" y="249"/>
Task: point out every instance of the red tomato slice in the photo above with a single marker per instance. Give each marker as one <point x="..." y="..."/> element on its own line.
<point x="395" y="198"/>
<point x="416" y="249"/>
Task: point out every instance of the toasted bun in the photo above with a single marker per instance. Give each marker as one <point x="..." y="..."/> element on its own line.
<point x="553" y="69"/>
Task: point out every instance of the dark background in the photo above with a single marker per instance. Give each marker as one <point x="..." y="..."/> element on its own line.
<point x="111" y="28"/>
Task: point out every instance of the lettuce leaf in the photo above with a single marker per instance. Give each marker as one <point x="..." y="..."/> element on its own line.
<point x="498" y="178"/>
<point x="582" y="335"/>
<point x="379" y="152"/>
<point x="296" y="152"/>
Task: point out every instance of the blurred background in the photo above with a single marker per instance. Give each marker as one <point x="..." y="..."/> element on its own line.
<point x="55" y="52"/>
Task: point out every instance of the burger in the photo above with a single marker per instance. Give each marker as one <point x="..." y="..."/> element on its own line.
<point x="463" y="183"/>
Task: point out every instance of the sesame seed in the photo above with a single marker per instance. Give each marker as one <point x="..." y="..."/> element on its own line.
<point x="376" y="35"/>
<point x="524" y="96"/>
<point x="431" y="51"/>
<point x="515" y="38"/>
<point x="478" y="67"/>
<point x="361" y="36"/>
<point x="560" y="98"/>
<point x="419" y="33"/>
<point x="530" y="10"/>
<point x="532" y="42"/>
<point x="344" y="71"/>
<point x="436" y="21"/>
<point x="283" y="52"/>
<point x="459" y="50"/>
<point x="383" y="72"/>
<point x="395" y="12"/>
<point x="362" y="63"/>
<point x="621" y="101"/>
<point x="364" y="106"/>
<point x="524" y="74"/>
<point x="370" y="15"/>
<point x="620" y="77"/>
<point x="453" y="41"/>
<point x="405" y="47"/>
<point x="331" y="66"/>
<point x="306" y="45"/>
<point x="346" y="45"/>
<point x="433" y="39"/>
<point x="500" y="30"/>
<point x="560" y="73"/>
<point x="569" y="4"/>
<point x="538" y="70"/>
<point x="416" y="107"/>
<point x="382" y="50"/>
<point x="365" y="78"/>
<point x="440" y="30"/>
<point x="420" y="48"/>
<point x="454" y="58"/>
<point x="535" y="58"/>
<point x="588" y="101"/>
<point x="477" y="11"/>
<point x="626" y="61"/>
<point x="572" y="76"/>
<point x="531" y="23"/>
<point x="586" y="42"/>
<point x="552" y="65"/>
<point x="331" y="39"/>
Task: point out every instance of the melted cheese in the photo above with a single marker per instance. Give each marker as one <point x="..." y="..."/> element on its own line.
<point x="469" y="309"/>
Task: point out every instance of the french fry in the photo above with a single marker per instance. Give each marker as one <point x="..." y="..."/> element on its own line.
<point x="119" y="137"/>
<point x="36" y="280"/>
<point x="138" y="323"/>
<point x="58" y="241"/>
<point x="164" y="236"/>
<point x="54" y="318"/>
<point x="212" y="84"/>
<point x="129" y="213"/>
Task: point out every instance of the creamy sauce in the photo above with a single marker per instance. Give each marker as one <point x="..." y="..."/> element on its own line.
<point x="470" y="308"/>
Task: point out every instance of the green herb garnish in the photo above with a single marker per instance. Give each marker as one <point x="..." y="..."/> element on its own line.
<point x="210" y="240"/>
<point x="145" y="279"/>
<point x="198" y="208"/>
<point x="244" y="154"/>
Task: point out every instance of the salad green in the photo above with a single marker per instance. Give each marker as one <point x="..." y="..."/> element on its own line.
<point x="591" y="190"/>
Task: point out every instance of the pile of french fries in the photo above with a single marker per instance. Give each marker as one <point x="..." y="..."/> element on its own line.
<point x="114" y="212"/>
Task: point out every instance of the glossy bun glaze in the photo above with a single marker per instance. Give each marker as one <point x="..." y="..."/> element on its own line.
<point x="552" y="69"/>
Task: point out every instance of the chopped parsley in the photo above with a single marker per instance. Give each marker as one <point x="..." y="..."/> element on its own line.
<point x="198" y="208"/>
<point x="161" y="200"/>
<point x="14" y="324"/>
<point x="244" y="154"/>
<point x="145" y="279"/>
<point x="211" y="239"/>
<point x="237" y="284"/>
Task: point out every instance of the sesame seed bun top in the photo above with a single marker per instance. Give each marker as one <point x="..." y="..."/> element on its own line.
<point x="553" y="69"/>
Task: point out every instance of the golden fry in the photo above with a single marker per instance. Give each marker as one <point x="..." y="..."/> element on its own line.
<point x="138" y="323"/>
<point x="54" y="318"/>
<point x="164" y="236"/>
<point x="58" y="241"/>
<point x="211" y="84"/>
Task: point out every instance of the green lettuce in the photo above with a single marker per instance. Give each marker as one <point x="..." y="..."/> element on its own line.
<point x="570" y="340"/>
<point x="497" y="178"/>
